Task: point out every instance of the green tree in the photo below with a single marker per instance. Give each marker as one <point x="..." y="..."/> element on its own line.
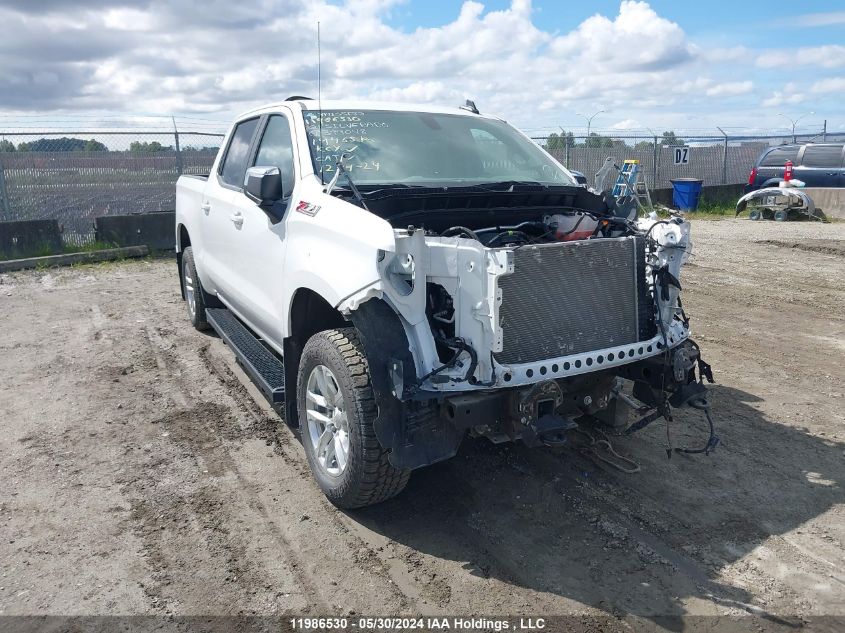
<point x="644" y="145"/>
<point x="64" y="144"/>
<point x="595" y="140"/>
<point x="671" y="140"/>
<point x="560" y="141"/>
<point x="94" y="146"/>
<point x="145" y="147"/>
<point x="6" y="146"/>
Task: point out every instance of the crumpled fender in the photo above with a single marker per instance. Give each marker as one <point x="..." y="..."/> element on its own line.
<point x="802" y="200"/>
<point x="412" y="430"/>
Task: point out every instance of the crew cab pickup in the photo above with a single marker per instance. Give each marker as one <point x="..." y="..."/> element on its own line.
<point x="396" y="277"/>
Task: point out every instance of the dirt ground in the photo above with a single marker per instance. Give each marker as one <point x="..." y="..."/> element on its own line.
<point x="143" y="474"/>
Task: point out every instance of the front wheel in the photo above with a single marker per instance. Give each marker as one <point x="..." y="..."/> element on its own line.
<point x="337" y="406"/>
<point x="194" y="295"/>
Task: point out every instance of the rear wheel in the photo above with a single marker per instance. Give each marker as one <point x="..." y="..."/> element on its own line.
<point x="781" y="215"/>
<point x="337" y="407"/>
<point x="194" y="295"/>
<point x="755" y="214"/>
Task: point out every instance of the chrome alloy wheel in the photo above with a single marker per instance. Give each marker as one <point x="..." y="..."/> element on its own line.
<point x="328" y="428"/>
<point x="190" y="292"/>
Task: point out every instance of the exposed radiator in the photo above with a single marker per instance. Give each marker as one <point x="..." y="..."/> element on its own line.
<point x="573" y="297"/>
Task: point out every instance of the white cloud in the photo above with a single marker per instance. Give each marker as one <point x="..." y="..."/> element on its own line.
<point x="791" y="94"/>
<point x="832" y="84"/>
<point x="219" y="56"/>
<point x="627" y="124"/>
<point x="831" y="18"/>
<point x="730" y="89"/>
<point x="636" y="40"/>
<point x="730" y="54"/>
<point x="830" y="56"/>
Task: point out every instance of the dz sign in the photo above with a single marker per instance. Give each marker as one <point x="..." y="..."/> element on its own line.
<point x="682" y="155"/>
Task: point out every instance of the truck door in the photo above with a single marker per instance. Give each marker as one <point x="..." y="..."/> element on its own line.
<point x="821" y="165"/>
<point x="256" y="241"/>
<point x="223" y="194"/>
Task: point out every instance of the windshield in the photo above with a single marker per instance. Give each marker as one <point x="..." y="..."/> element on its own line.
<point x="419" y="148"/>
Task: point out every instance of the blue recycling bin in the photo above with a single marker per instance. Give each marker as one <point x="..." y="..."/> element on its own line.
<point x="685" y="193"/>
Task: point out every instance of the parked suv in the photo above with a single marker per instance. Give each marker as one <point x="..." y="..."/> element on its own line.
<point x="816" y="164"/>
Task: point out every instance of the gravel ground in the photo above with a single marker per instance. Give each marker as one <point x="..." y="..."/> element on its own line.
<point x="143" y="474"/>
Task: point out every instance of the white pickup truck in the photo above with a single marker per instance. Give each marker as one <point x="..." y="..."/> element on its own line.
<point x="395" y="277"/>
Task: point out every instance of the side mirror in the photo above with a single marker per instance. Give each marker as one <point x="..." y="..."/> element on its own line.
<point x="263" y="185"/>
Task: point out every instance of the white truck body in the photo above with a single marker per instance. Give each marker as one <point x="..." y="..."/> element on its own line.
<point x="331" y="246"/>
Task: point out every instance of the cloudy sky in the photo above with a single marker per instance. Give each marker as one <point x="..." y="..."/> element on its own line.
<point x="660" y="64"/>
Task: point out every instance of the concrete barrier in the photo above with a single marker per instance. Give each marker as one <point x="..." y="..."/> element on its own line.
<point x="829" y="199"/>
<point x="155" y="230"/>
<point x="73" y="258"/>
<point x="29" y="237"/>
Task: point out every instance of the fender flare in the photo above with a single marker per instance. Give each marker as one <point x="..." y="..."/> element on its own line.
<point x="412" y="430"/>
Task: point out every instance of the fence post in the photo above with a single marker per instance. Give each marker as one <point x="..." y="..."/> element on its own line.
<point x="824" y="131"/>
<point x="724" y="157"/>
<point x="4" y="196"/>
<point x="178" y="153"/>
<point x="566" y="154"/>
<point x="654" y="166"/>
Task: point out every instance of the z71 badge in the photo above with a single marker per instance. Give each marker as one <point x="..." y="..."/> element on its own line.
<point x="307" y="208"/>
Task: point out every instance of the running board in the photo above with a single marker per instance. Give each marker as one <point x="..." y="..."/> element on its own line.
<point x="264" y="367"/>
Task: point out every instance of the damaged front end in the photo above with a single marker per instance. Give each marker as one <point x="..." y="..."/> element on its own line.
<point x="518" y="333"/>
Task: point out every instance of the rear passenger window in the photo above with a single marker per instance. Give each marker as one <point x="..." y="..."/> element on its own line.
<point x="778" y="157"/>
<point x="276" y="150"/>
<point x="234" y="164"/>
<point x="823" y="156"/>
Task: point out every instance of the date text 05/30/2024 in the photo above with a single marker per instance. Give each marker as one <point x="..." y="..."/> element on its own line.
<point x="418" y="623"/>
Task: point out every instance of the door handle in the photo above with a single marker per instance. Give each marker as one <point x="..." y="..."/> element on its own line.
<point x="206" y="207"/>
<point x="237" y="217"/>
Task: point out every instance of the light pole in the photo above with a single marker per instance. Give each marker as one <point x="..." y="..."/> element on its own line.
<point x="794" y="122"/>
<point x="590" y="119"/>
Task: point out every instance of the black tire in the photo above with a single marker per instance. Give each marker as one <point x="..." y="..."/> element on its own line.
<point x="781" y="215"/>
<point x="368" y="477"/>
<point x="755" y="214"/>
<point x="195" y="297"/>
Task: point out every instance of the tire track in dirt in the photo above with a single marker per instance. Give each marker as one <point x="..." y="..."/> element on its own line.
<point x="205" y="432"/>
<point x="315" y="509"/>
<point x="413" y="573"/>
<point x="413" y="583"/>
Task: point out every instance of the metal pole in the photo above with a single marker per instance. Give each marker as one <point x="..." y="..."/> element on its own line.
<point x="4" y="196"/>
<point x="566" y="145"/>
<point x="654" y="166"/>
<point x="178" y="153"/>
<point x="724" y="157"/>
<point x="824" y="131"/>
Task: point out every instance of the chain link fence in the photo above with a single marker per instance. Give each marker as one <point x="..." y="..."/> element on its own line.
<point x="74" y="177"/>
<point x="716" y="160"/>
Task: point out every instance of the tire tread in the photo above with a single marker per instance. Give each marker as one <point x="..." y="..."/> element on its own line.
<point x="378" y="480"/>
